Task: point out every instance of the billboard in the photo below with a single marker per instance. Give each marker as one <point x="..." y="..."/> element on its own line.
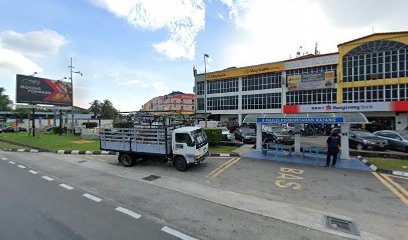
<point x="311" y="81"/>
<point x="34" y="90"/>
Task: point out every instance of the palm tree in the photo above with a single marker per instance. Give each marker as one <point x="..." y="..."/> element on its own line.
<point x="4" y="100"/>
<point x="96" y="107"/>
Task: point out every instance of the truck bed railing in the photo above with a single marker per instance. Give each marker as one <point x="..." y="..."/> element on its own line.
<point x="155" y="140"/>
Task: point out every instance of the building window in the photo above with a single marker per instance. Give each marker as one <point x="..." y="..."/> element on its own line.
<point x="380" y="59"/>
<point x="222" y="86"/>
<point x="261" y="101"/>
<point x="387" y="93"/>
<point x="261" y="81"/>
<point x="200" y="104"/>
<point x="318" y="96"/>
<point x="222" y="103"/>
<point x="200" y="88"/>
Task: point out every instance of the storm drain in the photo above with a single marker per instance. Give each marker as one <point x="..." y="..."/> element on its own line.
<point x="151" y="178"/>
<point x="341" y="225"/>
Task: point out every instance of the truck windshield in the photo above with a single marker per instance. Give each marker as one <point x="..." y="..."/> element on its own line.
<point x="200" y="137"/>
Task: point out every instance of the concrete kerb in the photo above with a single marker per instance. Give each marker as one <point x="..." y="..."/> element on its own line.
<point x="73" y="152"/>
<point x="83" y="152"/>
<point x="380" y="170"/>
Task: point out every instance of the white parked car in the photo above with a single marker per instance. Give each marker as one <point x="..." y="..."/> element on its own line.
<point x="226" y="135"/>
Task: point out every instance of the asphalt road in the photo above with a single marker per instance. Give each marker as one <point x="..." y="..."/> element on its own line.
<point x="35" y="208"/>
<point x="158" y="203"/>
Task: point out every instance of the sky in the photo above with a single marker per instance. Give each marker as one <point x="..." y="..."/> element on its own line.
<point x="130" y="51"/>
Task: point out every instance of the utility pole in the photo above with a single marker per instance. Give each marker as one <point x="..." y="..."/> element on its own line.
<point x="205" y="89"/>
<point x="72" y="93"/>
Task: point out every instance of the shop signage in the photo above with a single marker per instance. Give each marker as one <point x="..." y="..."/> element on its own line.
<point x="311" y="81"/>
<point x="348" y="107"/>
<point x="312" y="62"/>
<point x="301" y="120"/>
<point x="274" y="67"/>
<point x="34" y="90"/>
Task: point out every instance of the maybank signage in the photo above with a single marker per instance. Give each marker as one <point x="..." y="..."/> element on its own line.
<point x="275" y="67"/>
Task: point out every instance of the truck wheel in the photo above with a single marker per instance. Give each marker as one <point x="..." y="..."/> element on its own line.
<point x="126" y="160"/>
<point x="180" y="164"/>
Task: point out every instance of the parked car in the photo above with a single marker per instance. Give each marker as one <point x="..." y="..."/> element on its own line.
<point x="397" y="140"/>
<point x="226" y="135"/>
<point x="10" y="129"/>
<point x="277" y="135"/>
<point x="246" y="135"/>
<point x="362" y="139"/>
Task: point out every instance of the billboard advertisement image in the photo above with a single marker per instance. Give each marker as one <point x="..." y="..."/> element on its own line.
<point x="34" y="90"/>
<point x="311" y="81"/>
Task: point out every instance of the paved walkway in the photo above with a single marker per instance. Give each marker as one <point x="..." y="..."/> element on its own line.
<point x="354" y="164"/>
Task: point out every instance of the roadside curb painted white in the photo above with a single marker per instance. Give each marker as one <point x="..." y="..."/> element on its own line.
<point x="376" y="169"/>
<point x="93" y="198"/>
<point x="60" y="151"/>
<point x="128" y="212"/>
<point x="176" y="233"/>
<point x="33" y="172"/>
<point x="21" y="166"/>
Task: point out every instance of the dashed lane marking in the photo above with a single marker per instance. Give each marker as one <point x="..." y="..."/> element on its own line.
<point x="4" y="159"/>
<point x="66" y="186"/>
<point x="176" y="233"/>
<point x="93" y="198"/>
<point x="21" y="166"/>
<point x="391" y="188"/>
<point x="128" y="212"/>
<point x="47" y="178"/>
<point x="33" y="172"/>
<point x="11" y="162"/>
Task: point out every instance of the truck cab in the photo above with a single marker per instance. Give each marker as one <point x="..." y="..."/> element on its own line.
<point x="189" y="146"/>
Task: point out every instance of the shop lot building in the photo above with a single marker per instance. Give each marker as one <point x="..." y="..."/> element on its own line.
<point x="368" y="75"/>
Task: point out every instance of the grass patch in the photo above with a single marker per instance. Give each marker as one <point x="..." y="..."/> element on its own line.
<point x="52" y="141"/>
<point x="4" y="145"/>
<point x="389" y="163"/>
<point x="221" y="149"/>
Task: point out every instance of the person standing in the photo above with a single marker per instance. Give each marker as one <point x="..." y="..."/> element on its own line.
<point x="332" y="147"/>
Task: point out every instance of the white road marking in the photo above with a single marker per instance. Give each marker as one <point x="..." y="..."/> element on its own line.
<point x="33" y="172"/>
<point x="128" y="212"/>
<point x="93" y="198"/>
<point x="66" y="186"/>
<point x="176" y="233"/>
<point x="4" y="159"/>
<point x="47" y="178"/>
<point x="21" y="166"/>
<point x="11" y="162"/>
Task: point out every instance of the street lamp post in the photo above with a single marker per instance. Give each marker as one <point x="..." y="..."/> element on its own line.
<point x="205" y="88"/>
<point x="72" y="94"/>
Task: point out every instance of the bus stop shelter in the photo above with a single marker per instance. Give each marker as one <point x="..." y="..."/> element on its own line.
<point x="343" y="119"/>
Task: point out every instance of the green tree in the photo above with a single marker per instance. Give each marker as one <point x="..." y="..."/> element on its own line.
<point x="107" y="110"/>
<point x="4" y="100"/>
<point x="96" y="107"/>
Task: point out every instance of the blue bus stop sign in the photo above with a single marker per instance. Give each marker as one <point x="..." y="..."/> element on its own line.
<point x="301" y="120"/>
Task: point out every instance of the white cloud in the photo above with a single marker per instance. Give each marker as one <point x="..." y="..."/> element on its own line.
<point x="183" y="19"/>
<point x="268" y="31"/>
<point x="14" y="62"/>
<point x="36" y="43"/>
<point x="17" y="49"/>
<point x="141" y="79"/>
